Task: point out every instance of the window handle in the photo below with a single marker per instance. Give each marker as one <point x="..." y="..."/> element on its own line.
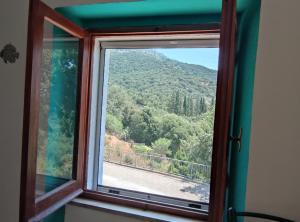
<point x="237" y="139"/>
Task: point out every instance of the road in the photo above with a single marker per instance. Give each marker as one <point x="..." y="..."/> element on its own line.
<point x="150" y="182"/>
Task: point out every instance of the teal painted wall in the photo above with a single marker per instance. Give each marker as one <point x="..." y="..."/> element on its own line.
<point x="247" y="40"/>
<point x="150" y="21"/>
<point x="57" y="216"/>
<point x="145" y="8"/>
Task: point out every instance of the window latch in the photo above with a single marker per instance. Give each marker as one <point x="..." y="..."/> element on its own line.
<point x="237" y="139"/>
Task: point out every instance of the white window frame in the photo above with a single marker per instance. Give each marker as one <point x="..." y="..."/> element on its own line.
<point x="99" y="104"/>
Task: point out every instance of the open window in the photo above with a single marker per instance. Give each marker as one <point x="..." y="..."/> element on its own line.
<point x="152" y="118"/>
<point x="116" y="133"/>
<point x="55" y="104"/>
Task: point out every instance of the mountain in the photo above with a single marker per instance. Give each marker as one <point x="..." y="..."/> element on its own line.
<point x="146" y="73"/>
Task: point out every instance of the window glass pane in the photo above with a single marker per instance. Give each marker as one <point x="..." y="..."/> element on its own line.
<point x="57" y="117"/>
<point x="159" y="121"/>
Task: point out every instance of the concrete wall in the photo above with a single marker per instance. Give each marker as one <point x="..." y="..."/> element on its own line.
<point x="274" y="177"/>
<point x="13" y="26"/>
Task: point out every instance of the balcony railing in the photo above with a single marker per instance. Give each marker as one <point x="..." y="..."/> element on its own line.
<point x="157" y="163"/>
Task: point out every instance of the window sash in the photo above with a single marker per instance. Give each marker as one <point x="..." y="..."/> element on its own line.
<point x="99" y="104"/>
<point x="34" y="208"/>
<point x="175" y="43"/>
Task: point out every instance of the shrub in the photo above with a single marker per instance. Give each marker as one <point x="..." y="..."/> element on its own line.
<point x="161" y="146"/>
<point x="128" y="160"/>
<point x="113" y="124"/>
<point x="141" y="148"/>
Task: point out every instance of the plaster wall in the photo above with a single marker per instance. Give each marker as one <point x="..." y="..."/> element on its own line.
<point x="13" y="26"/>
<point x="273" y="176"/>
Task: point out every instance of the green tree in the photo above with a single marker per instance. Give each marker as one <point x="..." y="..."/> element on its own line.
<point x="161" y="147"/>
<point x="191" y="106"/>
<point x="203" y="105"/>
<point x="176" y="129"/>
<point x="143" y="128"/>
<point x="113" y="125"/>
<point x="119" y="101"/>
<point x="176" y="103"/>
<point x="185" y="106"/>
<point x="137" y="128"/>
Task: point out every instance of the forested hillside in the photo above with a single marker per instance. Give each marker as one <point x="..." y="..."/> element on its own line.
<point x="150" y="76"/>
<point x="162" y="106"/>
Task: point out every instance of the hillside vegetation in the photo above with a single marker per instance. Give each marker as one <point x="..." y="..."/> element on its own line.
<point x="146" y="73"/>
<point x="162" y="106"/>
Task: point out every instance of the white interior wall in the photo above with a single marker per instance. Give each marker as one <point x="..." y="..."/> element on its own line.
<point x="78" y="214"/>
<point x="92" y="211"/>
<point x="274" y="177"/>
<point x="13" y="26"/>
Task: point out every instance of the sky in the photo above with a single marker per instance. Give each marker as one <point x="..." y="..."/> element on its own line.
<point x="207" y="57"/>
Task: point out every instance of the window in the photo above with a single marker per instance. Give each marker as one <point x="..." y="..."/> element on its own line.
<point x="126" y="132"/>
<point x="58" y="93"/>
<point x="55" y="98"/>
<point x="152" y="119"/>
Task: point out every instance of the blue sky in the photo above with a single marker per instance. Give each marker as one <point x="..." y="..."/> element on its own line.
<point x="207" y="57"/>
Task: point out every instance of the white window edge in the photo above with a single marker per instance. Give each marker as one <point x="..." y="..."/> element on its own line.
<point x="99" y="76"/>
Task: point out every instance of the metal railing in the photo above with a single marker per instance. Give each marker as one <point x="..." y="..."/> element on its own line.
<point x="161" y="164"/>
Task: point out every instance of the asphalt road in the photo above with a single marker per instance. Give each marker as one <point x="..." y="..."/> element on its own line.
<point x="140" y="180"/>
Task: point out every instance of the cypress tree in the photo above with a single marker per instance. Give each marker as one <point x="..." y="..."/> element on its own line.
<point x="177" y="105"/>
<point x="172" y="103"/>
<point x="191" y="106"/>
<point x="185" y="106"/>
<point x="198" y="106"/>
<point x="203" y="105"/>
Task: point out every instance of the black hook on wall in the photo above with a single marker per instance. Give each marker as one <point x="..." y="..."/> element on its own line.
<point x="9" y="53"/>
<point x="237" y="139"/>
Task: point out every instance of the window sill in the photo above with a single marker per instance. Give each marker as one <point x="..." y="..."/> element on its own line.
<point x="129" y="211"/>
